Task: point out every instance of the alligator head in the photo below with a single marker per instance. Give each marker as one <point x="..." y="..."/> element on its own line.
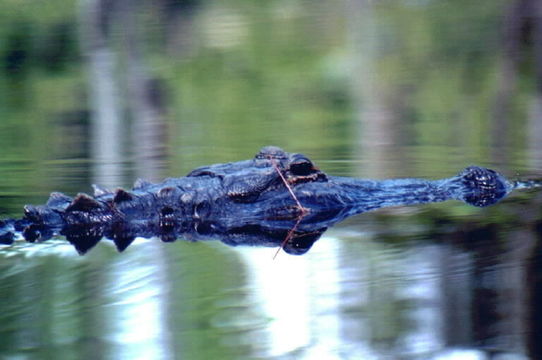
<point x="276" y="188"/>
<point x="270" y="170"/>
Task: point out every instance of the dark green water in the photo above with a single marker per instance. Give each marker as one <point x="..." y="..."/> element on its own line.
<point x="365" y="88"/>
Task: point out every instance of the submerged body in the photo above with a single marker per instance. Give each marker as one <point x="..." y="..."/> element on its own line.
<point x="274" y="195"/>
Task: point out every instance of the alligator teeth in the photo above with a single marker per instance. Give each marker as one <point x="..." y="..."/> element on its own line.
<point x="100" y="190"/>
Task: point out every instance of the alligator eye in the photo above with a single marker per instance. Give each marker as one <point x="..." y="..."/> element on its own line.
<point x="301" y="166"/>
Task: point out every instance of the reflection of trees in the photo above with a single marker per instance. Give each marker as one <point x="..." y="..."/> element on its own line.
<point x="534" y="280"/>
<point x="467" y="287"/>
<point x="498" y="310"/>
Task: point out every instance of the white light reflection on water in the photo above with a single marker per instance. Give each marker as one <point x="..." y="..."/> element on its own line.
<point x="462" y="354"/>
<point x="282" y="292"/>
<point x="54" y="246"/>
<point x="138" y="309"/>
<point x="300" y="296"/>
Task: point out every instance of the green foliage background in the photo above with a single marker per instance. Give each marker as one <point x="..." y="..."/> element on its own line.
<point x="274" y="72"/>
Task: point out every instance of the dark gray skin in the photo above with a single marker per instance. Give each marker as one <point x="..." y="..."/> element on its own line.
<point x="241" y="202"/>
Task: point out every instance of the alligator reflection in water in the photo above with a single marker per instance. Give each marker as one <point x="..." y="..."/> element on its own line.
<point x="277" y="198"/>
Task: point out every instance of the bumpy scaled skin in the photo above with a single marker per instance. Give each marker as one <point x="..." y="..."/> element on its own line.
<point x="240" y="202"/>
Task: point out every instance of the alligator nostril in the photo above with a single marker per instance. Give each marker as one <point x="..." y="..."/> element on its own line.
<point x="167" y="219"/>
<point x="201" y="210"/>
<point x="167" y="211"/>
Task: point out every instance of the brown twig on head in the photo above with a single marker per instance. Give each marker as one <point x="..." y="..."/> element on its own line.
<point x="304" y="211"/>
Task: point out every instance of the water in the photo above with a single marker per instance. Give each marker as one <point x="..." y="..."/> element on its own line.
<point x="366" y="89"/>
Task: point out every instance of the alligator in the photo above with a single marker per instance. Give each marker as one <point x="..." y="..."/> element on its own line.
<point x="276" y="198"/>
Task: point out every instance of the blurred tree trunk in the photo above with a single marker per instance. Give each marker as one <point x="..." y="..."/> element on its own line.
<point x="116" y="73"/>
<point x="145" y="97"/>
<point x="106" y="114"/>
<point x="522" y="25"/>
<point x="178" y="16"/>
<point x="377" y="108"/>
<point x="535" y="116"/>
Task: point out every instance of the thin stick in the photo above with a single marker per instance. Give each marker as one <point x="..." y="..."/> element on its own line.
<point x="304" y="211"/>
<point x="288" y="237"/>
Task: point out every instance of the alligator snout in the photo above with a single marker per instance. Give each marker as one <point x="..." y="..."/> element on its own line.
<point x="483" y="187"/>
